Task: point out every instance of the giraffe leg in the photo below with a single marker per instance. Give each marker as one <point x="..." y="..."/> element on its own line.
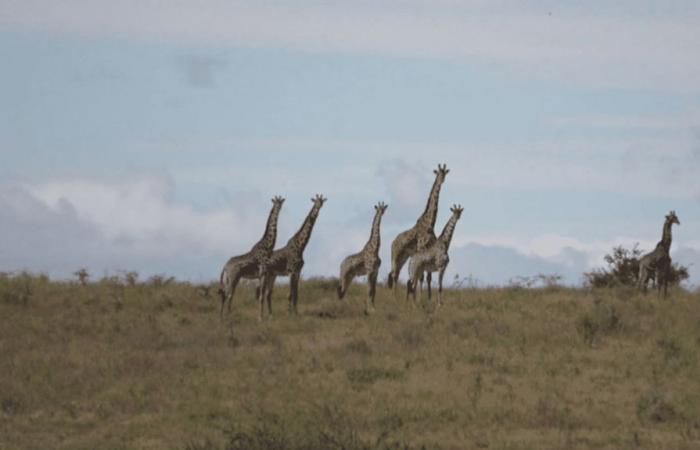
<point x="397" y="263"/>
<point x="223" y="288"/>
<point x="372" y="281"/>
<point x="429" y="280"/>
<point x="662" y="279"/>
<point x="261" y="298"/>
<point x="420" y="291"/>
<point x="267" y="286"/>
<point x="231" y="289"/>
<point x="344" y="283"/>
<point x="261" y="293"/>
<point x="268" y="300"/>
<point x="643" y="278"/>
<point x="293" y="292"/>
<point x="440" y="276"/>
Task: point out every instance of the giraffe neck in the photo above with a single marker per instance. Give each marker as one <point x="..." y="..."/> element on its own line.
<point x="270" y="236"/>
<point x="301" y="238"/>
<point x="430" y="214"/>
<point x="374" y="237"/>
<point x="666" y="236"/>
<point x="448" y="231"/>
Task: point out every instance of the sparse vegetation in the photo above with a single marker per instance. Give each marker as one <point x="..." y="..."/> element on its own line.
<point x="623" y="270"/>
<point x="122" y="363"/>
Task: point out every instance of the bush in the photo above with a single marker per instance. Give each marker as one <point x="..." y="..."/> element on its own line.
<point x="603" y="320"/>
<point x="623" y="270"/>
<point x="328" y="429"/>
<point x="654" y="407"/>
<point x="368" y="375"/>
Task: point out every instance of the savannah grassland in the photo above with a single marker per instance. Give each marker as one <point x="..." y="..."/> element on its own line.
<point x="120" y="365"/>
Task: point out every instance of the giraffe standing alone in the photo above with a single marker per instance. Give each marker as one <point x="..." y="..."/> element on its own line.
<point x="433" y="258"/>
<point x="421" y="235"/>
<point x="248" y="265"/>
<point x="288" y="260"/>
<point x="366" y="262"/>
<point x="658" y="261"/>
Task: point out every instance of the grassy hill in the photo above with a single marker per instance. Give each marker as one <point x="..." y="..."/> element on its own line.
<point x="150" y="365"/>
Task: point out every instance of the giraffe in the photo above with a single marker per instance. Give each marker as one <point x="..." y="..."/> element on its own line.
<point x="248" y="265"/>
<point x="288" y="260"/>
<point x="366" y="262"/>
<point x="421" y="235"/>
<point x="658" y="261"/>
<point x="433" y="258"/>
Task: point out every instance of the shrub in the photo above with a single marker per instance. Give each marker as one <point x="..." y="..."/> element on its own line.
<point x="368" y="375"/>
<point x="623" y="270"/>
<point x="539" y="280"/>
<point x="327" y="429"/>
<point x="358" y="346"/>
<point x="655" y="408"/>
<point x="603" y="320"/>
<point x="16" y="289"/>
<point x="82" y="275"/>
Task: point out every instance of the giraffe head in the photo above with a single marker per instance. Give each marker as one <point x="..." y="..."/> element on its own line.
<point x="441" y="172"/>
<point x="673" y="218"/>
<point x="457" y="210"/>
<point x="318" y="202"/>
<point x="380" y="208"/>
<point x="277" y="201"/>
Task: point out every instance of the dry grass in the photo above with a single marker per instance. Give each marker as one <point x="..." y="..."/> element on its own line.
<point x="149" y="365"/>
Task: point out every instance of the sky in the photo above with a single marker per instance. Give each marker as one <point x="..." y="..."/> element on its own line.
<point x="150" y="135"/>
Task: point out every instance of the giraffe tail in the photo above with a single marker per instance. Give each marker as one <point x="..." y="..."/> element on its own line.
<point x="340" y="291"/>
<point x="390" y="280"/>
<point x="222" y="282"/>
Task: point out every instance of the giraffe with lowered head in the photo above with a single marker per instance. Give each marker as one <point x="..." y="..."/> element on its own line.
<point x="420" y="235"/>
<point x="289" y="260"/>
<point x="433" y="258"/>
<point x="366" y="262"/>
<point x="657" y="263"/>
<point x="248" y="265"/>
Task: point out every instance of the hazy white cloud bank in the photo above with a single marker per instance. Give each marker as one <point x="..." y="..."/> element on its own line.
<point x="57" y="226"/>
<point x="638" y="45"/>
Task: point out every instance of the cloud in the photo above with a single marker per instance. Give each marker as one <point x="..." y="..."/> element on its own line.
<point x="496" y="265"/>
<point x="584" y="164"/>
<point x="408" y="187"/>
<point x="628" y="47"/>
<point x="689" y="257"/>
<point x="200" y="70"/>
<point x="58" y="226"/>
<point x="138" y="223"/>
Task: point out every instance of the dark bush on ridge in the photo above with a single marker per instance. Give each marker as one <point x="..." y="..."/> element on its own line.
<point x="623" y="270"/>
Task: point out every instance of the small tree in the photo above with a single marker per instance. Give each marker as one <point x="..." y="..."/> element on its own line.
<point x="623" y="269"/>
<point x="131" y="278"/>
<point x="82" y="275"/>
